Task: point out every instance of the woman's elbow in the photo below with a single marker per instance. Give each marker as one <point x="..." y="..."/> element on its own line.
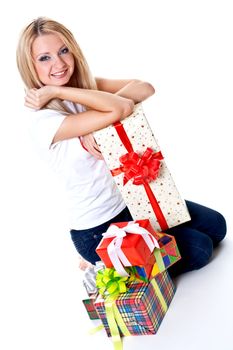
<point x="127" y="108"/>
<point x="149" y="89"/>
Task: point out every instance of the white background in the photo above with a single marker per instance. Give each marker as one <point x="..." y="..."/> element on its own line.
<point x="184" y="48"/>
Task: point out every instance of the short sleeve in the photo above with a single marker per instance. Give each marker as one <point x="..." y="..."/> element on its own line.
<point x="43" y="127"/>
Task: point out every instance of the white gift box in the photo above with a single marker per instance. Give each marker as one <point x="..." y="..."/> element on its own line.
<point x="158" y="199"/>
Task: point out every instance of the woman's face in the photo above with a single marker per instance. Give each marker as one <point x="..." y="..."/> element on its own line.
<point x="53" y="62"/>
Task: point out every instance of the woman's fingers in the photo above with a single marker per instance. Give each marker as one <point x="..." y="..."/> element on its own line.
<point x="90" y="145"/>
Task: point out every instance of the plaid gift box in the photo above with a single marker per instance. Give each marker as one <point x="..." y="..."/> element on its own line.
<point x="134" y="158"/>
<point x="89" y="290"/>
<point x="90" y="307"/>
<point x="143" y="307"/>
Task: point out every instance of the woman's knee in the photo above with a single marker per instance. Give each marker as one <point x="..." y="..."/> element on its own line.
<point x="207" y="220"/>
<point x="201" y="252"/>
<point x="196" y="249"/>
<point x="221" y="227"/>
<point x="202" y="258"/>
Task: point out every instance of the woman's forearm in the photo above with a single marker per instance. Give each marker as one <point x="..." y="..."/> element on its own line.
<point x="104" y="109"/>
<point x="93" y="99"/>
<point x="138" y="91"/>
<point x="134" y="89"/>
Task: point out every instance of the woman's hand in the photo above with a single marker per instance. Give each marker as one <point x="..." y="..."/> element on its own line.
<point x="91" y="146"/>
<point x="37" y="98"/>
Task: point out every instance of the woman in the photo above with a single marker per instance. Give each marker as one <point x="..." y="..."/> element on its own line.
<point x="67" y="105"/>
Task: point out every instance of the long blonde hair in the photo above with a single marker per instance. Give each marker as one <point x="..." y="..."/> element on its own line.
<point x="81" y="78"/>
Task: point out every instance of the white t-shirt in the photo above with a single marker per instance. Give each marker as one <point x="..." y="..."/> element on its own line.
<point x="92" y="193"/>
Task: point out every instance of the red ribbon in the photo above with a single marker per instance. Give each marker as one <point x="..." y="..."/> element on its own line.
<point x="141" y="169"/>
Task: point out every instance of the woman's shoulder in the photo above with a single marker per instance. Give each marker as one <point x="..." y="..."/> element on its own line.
<point x="43" y="124"/>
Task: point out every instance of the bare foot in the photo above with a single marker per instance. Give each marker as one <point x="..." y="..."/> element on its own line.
<point x="83" y="264"/>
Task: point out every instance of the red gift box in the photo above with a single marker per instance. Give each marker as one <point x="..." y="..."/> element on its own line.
<point x="133" y="245"/>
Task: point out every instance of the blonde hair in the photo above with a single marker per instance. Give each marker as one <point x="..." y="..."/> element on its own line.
<point x="81" y="78"/>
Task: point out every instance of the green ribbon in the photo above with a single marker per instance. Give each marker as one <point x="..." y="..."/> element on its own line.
<point x="159" y="259"/>
<point x="159" y="295"/>
<point x="115" y="320"/>
<point x="110" y="283"/>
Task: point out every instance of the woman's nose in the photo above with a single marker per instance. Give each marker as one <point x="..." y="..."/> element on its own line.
<point x="59" y="62"/>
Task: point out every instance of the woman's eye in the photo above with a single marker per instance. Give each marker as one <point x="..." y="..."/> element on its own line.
<point x="64" y="50"/>
<point x="44" y="58"/>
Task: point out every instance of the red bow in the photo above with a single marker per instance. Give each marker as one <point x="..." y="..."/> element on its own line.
<point x="142" y="169"/>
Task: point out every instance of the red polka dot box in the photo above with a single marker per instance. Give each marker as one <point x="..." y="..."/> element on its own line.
<point x="136" y="162"/>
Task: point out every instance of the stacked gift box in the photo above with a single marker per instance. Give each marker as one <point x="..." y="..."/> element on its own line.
<point x="128" y="248"/>
<point x="90" y="307"/>
<point x="90" y="291"/>
<point x="135" y="289"/>
<point x="150" y="252"/>
<point x="142" y="307"/>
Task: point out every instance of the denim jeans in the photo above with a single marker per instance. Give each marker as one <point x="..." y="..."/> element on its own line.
<point x="196" y="239"/>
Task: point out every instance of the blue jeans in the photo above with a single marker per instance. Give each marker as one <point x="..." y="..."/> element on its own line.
<point x="196" y="239"/>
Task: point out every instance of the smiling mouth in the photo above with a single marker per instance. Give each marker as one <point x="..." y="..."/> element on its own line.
<point x="60" y="74"/>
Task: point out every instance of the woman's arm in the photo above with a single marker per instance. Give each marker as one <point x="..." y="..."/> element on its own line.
<point x="105" y="109"/>
<point x="134" y="89"/>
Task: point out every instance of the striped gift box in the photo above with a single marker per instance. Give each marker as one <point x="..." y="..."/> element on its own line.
<point x="142" y="306"/>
